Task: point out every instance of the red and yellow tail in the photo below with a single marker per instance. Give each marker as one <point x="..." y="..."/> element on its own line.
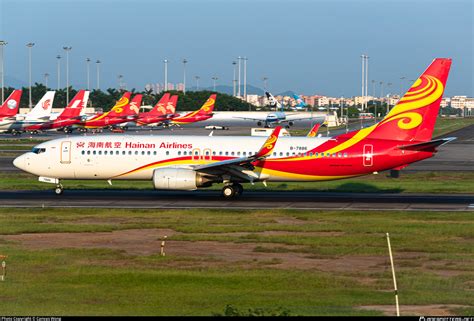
<point x="120" y="105"/>
<point x="413" y="118"/>
<point x="134" y="107"/>
<point x="160" y="107"/>
<point x="208" y="106"/>
<point x="171" y="105"/>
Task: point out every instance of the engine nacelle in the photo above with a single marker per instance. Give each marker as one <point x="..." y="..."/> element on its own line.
<point x="179" y="179"/>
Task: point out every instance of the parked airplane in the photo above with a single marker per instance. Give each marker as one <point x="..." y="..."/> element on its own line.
<point x="277" y="117"/>
<point x="300" y="104"/>
<point x="163" y="111"/>
<point x="403" y="137"/>
<point x="10" y="106"/>
<point x="39" y="114"/>
<point x="70" y="116"/>
<point x="123" y="111"/>
<point x="203" y="113"/>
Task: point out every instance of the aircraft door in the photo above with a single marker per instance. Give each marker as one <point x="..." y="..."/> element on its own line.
<point x="65" y="152"/>
<point x="368" y="155"/>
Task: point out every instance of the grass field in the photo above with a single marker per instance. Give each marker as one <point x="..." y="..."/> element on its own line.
<point x="433" y="182"/>
<point x="107" y="262"/>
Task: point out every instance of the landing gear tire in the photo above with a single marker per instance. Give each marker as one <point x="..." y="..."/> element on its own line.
<point x="238" y="189"/>
<point x="228" y="191"/>
<point x="59" y="190"/>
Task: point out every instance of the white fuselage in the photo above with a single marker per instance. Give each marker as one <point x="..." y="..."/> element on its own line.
<point x="135" y="157"/>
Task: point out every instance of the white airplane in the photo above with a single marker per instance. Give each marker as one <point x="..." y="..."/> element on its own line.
<point x="277" y="117"/>
<point x="39" y="114"/>
<point x="402" y="137"/>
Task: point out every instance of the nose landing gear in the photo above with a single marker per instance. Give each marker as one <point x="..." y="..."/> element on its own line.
<point x="59" y="189"/>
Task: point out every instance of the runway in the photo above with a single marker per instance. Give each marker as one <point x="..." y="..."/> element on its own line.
<point x="210" y="199"/>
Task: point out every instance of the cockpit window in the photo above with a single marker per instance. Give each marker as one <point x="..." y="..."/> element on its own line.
<point x="37" y="150"/>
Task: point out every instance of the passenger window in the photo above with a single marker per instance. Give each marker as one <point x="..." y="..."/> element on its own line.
<point x="339" y="155"/>
<point x="167" y="152"/>
<point x="184" y="153"/>
<point x="136" y="152"/>
<point x="226" y="153"/>
<point x="100" y="152"/>
<point x="345" y="154"/>
<point x="83" y="152"/>
<point x="94" y="152"/>
<point x="143" y="152"/>
<point x="179" y="153"/>
<point x="148" y="153"/>
<point x="106" y="152"/>
<point x="129" y="152"/>
<point x="154" y="152"/>
<point x="281" y="153"/>
<point x="88" y="152"/>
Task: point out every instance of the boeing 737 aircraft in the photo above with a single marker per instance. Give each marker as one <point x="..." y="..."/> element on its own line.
<point x="39" y="114"/>
<point x="70" y="116"/>
<point x="122" y="112"/>
<point x="203" y="113"/>
<point x="163" y="111"/>
<point x="277" y="117"/>
<point x="403" y="137"/>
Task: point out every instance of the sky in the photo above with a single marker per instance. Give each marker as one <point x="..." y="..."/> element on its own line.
<point x="310" y="47"/>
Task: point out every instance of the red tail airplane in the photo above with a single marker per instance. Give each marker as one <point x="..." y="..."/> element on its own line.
<point x="70" y="116"/>
<point x="163" y="111"/>
<point x="185" y="162"/>
<point x="122" y="112"/>
<point x="205" y="112"/>
<point x="10" y="105"/>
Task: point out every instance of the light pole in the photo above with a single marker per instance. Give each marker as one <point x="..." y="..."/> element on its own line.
<point x="373" y="88"/>
<point x="388" y="98"/>
<point x="366" y="80"/>
<point x="215" y="79"/>
<point x="197" y="82"/>
<point x="46" y="76"/>
<point x="245" y="78"/>
<point x="58" y="57"/>
<point x="401" y="86"/>
<point x="2" y="44"/>
<point x="120" y="77"/>
<point x="166" y="74"/>
<point x="88" y="60"/>
<point x="97" y="63"/>
<point x="363" y="79"/>
<point x="184" y="75"/>
<point x="30" y="45"/>
<point x="67" y="49"/>
<point x="233" y="79"/>
<point x="264" y="84"/>
<point x="238" y="83"/>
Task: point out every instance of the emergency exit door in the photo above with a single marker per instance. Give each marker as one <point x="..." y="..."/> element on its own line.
<point x="368" y="155"/>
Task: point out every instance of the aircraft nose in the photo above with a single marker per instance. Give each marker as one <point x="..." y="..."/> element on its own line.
<point x="20" y="162"/>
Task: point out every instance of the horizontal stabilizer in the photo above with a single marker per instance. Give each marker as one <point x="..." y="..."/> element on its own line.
<point x="428" y="146"/>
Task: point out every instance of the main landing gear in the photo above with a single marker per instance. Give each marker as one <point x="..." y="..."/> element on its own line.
<point x="231" y="191"/>
<point x="59" y="189"/>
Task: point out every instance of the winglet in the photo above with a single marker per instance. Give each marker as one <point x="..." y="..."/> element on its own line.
<point x="269" y="144"/>
<point x="314" y="130"/>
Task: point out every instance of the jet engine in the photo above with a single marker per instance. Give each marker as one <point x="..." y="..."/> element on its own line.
<point x="179" y="179"/>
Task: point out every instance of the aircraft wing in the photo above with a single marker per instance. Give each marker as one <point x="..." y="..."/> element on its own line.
<point x="302" y="118"/>
<point x="250" y="118"/>
<point x="242" y="166"/>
